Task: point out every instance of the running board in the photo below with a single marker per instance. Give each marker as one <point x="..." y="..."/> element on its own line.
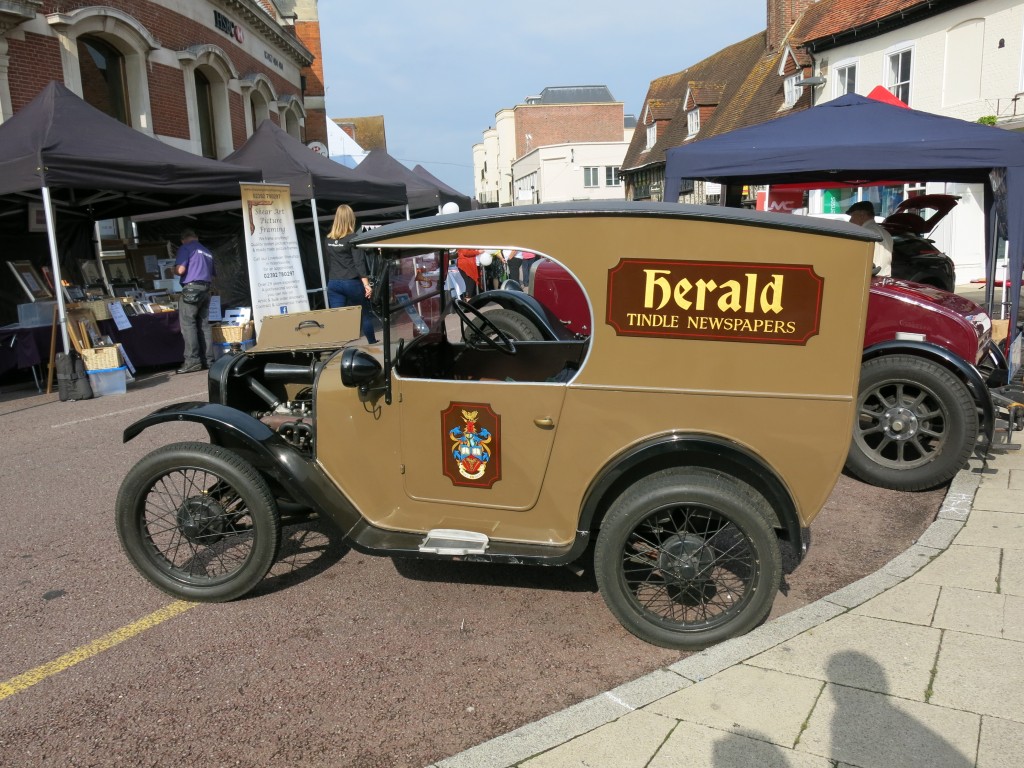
<point x="449" y="541"/>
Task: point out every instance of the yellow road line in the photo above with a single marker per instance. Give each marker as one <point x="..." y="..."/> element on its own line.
<point x="40" y="673"/>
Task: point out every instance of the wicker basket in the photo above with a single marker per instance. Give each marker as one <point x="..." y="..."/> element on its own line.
<point x="232" y="333"/>
<point x="101" y="358"/>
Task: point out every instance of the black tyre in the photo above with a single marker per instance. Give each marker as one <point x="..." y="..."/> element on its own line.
<point x="513" y="325"/>
<point x="687" y="558"/>
<point x="916" y="424"/>
<point x="199" y="522"/>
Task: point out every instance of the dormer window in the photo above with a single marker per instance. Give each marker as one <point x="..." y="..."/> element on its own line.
<point x="692" y="122"/>
<point x="652" y="135"/>
<point x="793" y="92"/>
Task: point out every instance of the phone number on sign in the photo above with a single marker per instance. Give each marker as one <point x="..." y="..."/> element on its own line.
<point x="272" y="275"/>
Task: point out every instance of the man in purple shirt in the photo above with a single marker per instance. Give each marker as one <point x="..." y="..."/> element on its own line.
<point x="194" y="265"/>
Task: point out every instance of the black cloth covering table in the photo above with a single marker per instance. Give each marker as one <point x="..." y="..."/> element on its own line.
<point x="24" y="347"/>
<point x="153" y="341"/>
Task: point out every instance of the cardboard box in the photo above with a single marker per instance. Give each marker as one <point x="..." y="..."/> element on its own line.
<point x="1000" y="329"/>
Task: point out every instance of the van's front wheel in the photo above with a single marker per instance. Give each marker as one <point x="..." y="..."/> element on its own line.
<point x="198" y="521"/>
<point x="687" y="558"/>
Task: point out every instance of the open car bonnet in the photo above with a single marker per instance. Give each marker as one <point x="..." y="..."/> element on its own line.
<point x="921" y="214"/>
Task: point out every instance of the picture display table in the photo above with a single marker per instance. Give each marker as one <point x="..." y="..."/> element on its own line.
<point x="153" y="341"/>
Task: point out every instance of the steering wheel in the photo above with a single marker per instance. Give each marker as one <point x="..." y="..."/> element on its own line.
<point x="486" y="332"/>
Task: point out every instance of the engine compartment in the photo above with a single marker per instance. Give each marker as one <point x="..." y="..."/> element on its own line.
<point x="277" y="389"/>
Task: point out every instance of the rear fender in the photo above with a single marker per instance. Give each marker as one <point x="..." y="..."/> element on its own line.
<point x="705" y="451"/>
<point x="526" y="305"/>
<point x="967" y="372"/>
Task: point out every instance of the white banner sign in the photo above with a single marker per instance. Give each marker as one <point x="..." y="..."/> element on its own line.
<point x="275" y="267"/>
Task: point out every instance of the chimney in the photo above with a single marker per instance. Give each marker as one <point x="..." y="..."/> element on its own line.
<point x="782" y="15"/>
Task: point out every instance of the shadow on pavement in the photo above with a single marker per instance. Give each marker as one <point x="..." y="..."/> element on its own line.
<point x="865" y="727"/>
<point x="308" y="548"/>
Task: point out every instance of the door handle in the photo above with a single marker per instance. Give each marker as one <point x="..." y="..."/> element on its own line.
<point x="544" y="423"/>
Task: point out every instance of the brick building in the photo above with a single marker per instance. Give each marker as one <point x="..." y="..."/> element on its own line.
<point x="562" y="116"/>
<point x="200" y="75"/>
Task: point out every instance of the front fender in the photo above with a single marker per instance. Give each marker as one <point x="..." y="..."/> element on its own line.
<point x="219" y="420"/>
<point x="268" y="452"/>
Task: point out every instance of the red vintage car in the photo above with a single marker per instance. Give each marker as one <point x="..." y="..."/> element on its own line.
<point x="924" y="402"/>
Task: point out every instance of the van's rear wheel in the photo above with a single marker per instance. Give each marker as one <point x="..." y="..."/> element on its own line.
<point x="687" y="558"/>
<point x="916" y="424"/>
<point x="198" y="521"/>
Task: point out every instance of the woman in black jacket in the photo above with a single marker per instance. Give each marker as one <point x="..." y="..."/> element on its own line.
<point x="348" y="282"/>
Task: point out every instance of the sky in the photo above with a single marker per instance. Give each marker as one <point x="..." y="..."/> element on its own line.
<point x="439" y="72"/>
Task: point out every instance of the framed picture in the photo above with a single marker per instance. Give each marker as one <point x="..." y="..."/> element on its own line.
<point x="90" y="272"/>
<point x="73" y="293"/>
<point x="118" y="270"/>
<point x="30" y="280"/>
<point x="83" y="328"/>
<point x="36" y="217"/>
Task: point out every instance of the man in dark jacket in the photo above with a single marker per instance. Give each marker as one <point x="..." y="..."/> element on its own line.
<point x="194" y="265"/>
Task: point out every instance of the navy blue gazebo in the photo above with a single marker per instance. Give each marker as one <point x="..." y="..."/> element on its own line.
<point x="855" y="140"/>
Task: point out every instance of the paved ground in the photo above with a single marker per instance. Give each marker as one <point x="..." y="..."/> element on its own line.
<point x="920" y="664"/>
<point x="339" y="659"/>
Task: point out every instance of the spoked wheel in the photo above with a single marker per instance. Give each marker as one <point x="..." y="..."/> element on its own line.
<point x="687" y="558"/>
<point x="916" y="424"/>
<point x="199" y="522"/>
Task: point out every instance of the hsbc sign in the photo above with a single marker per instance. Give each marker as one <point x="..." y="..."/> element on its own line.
<point x="228" y="27"/>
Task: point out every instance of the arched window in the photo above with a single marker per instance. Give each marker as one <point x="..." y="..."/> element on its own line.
<point x="260" y="99"/>
<point x="259" y="109"/>
<point x="292" y="115"/>
<point x="104" y="57"/>
<point x="104" y="78"/>
<point x="208" y="72"/>
<point x="205" y="115"/>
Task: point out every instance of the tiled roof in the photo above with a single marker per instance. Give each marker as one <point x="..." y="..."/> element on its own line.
<point x="661" y="109"/>
<point x="752" y="92"/>
<point x="706" y="94"/>
<point x="831" y="17"/>
<point x="576" y="94"/>
<point x="727" y="69"/>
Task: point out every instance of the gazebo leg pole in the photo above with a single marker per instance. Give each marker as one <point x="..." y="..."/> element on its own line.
<point x="58" y="285"/>
<point x="319" y="251"/>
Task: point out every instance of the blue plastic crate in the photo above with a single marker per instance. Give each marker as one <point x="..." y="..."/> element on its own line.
<point x="108" y="381"/>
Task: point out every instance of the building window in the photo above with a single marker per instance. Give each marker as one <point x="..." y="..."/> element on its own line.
<point x="590" y="177"/>
<point x="652" y="135"/>
<point x="692" y="122"/>
<point x="611" y="176"/>
<point x="897" y="75"/>
<point x="792" y="91"/>
<point x="204" y="108"/>
<point x="104" y="80"/>
<point x="845" y="80"/>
